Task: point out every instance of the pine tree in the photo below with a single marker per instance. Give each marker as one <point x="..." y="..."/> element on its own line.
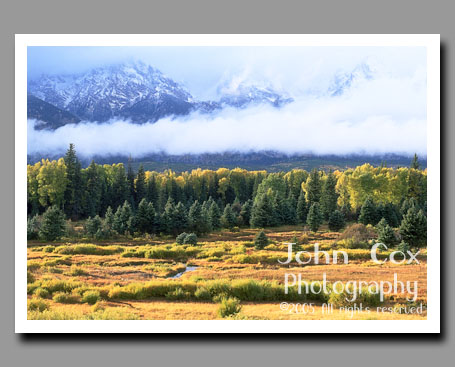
<point x="261" y="240"/>
<point x="228" y="219"/>
<point x="245" y="213"/>
<point x="336" y="221"/>
<point x="109" y="218"/>
<point x="214" y="215"/>
<point x="53" y="224"/>
<point x="261" y="211"/>
<point x="413" y="228"/>
<point x="122" y="218"/>
<point x="145" y="217"/>
<point x="368" y="212"/>
<point x="32" y="227"/>
<point x="92" y="191"/>
<point x="119" y="186"/>
<point x="130" y="180"/>
<point x="73" y="191"/>
<point x="180" y="217"/>
<point x="314" y="218"/>
<point x="329" y="196"/>
<point x="141" y="188"/>
<point x="168" y="217"/>
<point x="93" y="225"/>
<point x="386" y="234"/>
<point x="195" y="219"/>
<point x="152" y="191"/>
<point x="415" y="162"/>
<point x="390" y="215"/>
<point x="302" y="208"/>
<point x="313" y="187"/>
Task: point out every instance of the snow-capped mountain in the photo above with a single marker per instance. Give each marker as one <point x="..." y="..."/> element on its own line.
<point x="136" y="91"/>
<point x="246" y="94"/>
<point x="103" y="93"/>
<point x="345" y="80"/>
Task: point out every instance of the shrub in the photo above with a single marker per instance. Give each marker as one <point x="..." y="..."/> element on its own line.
<point x="49" y="249"/>
<point x="55" y="285"/>
<point x="190" y="239"/>
<point x="30" y="277"/>
<point x="62" y="297"/>
<point x="88" y="249"/>
<point x="76" y="271"/>
<point x="91" y="297"/>
<point x="181" y="238"/>
<point x="359" y="233"/>
<point x="202" y="294"/>
<point x="177" y="294"/>
<point x="261" y="240"/>
<point x="363" y="296"/>
<point x="32" y="266"/>
<point x="229" y="307"/>
<point x="36" y="304"/>
<point x="41" y="293"/>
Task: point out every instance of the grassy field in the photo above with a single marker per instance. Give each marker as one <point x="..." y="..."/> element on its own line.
<point x="154" y="278"/>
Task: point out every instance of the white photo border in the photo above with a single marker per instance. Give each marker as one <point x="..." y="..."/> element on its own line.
<point x="430" y="325"/>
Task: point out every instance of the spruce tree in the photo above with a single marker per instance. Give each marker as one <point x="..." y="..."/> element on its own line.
<point x="368" y="212"/>
<point x="314" y="218"/>
<point x="131" y="188"/>
<point x="214" y="215"/>
<point x="228" y="219"/>
<point x="302" y="208"/>
<point x="261" y="240"/>
<point x="168" y="217"/>
<point x="261" y="211"/>
<point x="93" y="191"/>
<point x="93" y="225"/>
<point x="329" y="196"/>
<point x="180" y="217"/>
<point x="145" y="217"/>
<point x="413" y="228"/>
<point x="122" y="218"/>
<point x="313" y="187"/>
<point x="73" y="192"/>
<point x="245" y="213"/>
<point x="109" y="218"/>
<point x="415" y="162"/>
<point x="336" y="221"/>
<point x="195" y="219"/>
<point x="141" y="187"/>
<point x="386" y="234"/>
<point x="53" y="224"/>
<point x="152" y="191"/>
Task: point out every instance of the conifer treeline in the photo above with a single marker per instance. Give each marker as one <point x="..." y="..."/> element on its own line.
<point x="202" y="200"/>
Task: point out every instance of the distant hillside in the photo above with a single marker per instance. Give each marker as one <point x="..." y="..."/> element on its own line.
<point x="48" y="116"/>
<point x="270" y="161"/>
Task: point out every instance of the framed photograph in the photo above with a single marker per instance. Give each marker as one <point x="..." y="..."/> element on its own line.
<point x="227" y="183"/>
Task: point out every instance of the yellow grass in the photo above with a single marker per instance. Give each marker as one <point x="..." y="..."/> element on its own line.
<point x="219" y="255"/>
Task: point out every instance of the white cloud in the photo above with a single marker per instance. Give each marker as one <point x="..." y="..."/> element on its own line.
<point x="385" y="115"/>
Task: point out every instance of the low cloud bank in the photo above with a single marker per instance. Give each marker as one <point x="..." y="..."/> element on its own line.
<point x="376" y="117"/>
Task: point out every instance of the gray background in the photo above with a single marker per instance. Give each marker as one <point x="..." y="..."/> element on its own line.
<point x="212" y="16"/>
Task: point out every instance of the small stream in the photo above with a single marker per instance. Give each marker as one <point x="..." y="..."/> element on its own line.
<point x="188" y="268"/>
